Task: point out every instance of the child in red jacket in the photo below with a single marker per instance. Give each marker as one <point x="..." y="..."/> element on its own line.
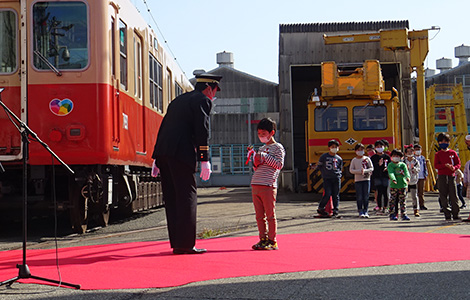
<point x="446" y="161"/>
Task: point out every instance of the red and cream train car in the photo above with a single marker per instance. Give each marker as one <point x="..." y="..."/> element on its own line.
<point x="91" y="79"/>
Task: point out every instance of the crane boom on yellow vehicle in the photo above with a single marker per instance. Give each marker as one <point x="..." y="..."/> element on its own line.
<point x="416" y="42"/>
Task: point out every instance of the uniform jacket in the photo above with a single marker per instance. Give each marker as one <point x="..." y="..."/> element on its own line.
<point x="184" y="132"/>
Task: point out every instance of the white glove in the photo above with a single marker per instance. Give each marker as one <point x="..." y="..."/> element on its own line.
<point x="155" y="170"/>
<point x="205" y="170"/>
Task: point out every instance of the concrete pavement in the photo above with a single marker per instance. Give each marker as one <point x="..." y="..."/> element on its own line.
<point x="230" y="210"/>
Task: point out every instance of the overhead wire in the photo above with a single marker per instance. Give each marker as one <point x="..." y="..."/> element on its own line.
<point x="163" y="37"/>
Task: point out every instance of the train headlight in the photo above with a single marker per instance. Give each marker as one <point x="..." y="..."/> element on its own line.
<point x="55" y="135"/>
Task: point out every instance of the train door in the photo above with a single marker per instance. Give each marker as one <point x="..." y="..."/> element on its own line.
<point x="115" y="84"/>
<point x="139" y="131"/>
<point x="10" y="139"/>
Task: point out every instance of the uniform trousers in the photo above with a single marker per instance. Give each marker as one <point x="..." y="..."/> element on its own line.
<point x="180" y="197"/>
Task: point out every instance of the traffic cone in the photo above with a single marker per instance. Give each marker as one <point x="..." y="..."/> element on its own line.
<point x="329" y="206"/>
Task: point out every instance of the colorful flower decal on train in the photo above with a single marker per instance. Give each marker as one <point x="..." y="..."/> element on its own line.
<point x="61" y="107"/>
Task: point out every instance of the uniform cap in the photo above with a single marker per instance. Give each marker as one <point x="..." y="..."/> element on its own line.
<point x="467" y="138"/>
<point x="209" y="78"/>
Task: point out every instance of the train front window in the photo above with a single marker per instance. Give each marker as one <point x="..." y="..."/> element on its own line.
<point x="8" y="43"/>
<point x="331" y="119"/>
<point x="370" y="117"/>
<point x="60" y="35"/>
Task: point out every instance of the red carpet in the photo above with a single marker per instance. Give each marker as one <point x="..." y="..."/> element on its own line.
<point x="151" y="264"/>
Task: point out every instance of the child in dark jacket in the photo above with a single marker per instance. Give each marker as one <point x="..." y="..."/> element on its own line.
<point x="331" y="166"/>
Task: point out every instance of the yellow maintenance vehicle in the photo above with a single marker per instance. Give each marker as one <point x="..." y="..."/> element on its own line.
<point x="337" y="111"/>
<point x="353" y="107"/>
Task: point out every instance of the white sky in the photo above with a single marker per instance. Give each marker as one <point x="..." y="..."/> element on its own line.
<point x="198" y="29"/>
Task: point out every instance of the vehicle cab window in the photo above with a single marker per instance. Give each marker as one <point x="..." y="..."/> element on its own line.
<point x="8" y="41"/>
<point x="60" y="35"/>
<point x="370" y="117"/>
<point x="331" y="119"/>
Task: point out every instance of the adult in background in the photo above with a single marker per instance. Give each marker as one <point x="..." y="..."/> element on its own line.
<point x="182" y="141"/>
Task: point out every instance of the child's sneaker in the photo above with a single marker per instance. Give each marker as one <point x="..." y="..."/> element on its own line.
<point x="323" y="213"/>
<point x="366" y="215"/>
<point x="377" y="208"/>
<point x="271" y="245"/>
<point x="393" y="217"/>
<point x="260" y="245"/>
<point x="405" y="218"/>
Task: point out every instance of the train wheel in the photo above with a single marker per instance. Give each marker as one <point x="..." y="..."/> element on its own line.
<point x="79" y="209"/>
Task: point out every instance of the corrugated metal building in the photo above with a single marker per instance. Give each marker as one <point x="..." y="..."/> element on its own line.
<point x="301" y="51"/>
<point x="243" y="100"/>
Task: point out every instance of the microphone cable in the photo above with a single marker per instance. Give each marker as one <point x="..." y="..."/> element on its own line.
<point x="54" y="198"/>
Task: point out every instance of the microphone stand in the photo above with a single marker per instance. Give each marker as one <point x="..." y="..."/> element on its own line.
<point x="25" y="131"/>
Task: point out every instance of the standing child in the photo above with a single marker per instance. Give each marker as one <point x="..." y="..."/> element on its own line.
<point x="459" y="183"/>
<point x="331" y="166"/>
<point x="380" y="175"/>
<point x="268" y="163"/>
<point x="446" y="161"/>
<point x="423" y="174"/>
<point x="399" y="177"/>
<point x="361" y="166"/>
<point x="413" y="168"/>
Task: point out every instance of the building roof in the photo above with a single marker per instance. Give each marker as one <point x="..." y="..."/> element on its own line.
<point x="221" y="70"/>
<point x="343" y="26"/>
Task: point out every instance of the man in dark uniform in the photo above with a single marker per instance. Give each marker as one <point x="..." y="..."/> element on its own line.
<point x="182" y="141"/>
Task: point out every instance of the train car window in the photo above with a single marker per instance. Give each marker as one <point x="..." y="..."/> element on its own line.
<point x="60" y="35"/>
<point x="370" y="118"/>
<point x="178" y="89"/>
<point x="8" y="41"/>
<point x="331" y="119"/>
<point x="156" y="90"/>
<point x="123" y="52"/>
<point x="113" y="47"/>
<point x="169" y="85"/>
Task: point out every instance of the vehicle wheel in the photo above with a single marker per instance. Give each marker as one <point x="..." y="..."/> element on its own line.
<point x="79" y="209"/>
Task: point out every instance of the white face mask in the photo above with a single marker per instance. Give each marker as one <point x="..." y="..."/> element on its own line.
<point x="395" y="159"/>
<point x="334" y="150"/>
<point x="418" y="152"/>
<point x="264" y="139"/>
<point x="380" y="150"/>
<point x="360" y="153"/>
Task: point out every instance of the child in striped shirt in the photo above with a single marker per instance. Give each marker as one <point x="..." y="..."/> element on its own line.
<point x="268" y="163"/>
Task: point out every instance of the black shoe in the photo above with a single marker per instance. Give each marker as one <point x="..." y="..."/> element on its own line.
<point x="322" y="212"/>
<point x="463" y="206"/>
<point x="423" y="207"/>
<point x="457" y="218"/>
<point x="193" y="250"/>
